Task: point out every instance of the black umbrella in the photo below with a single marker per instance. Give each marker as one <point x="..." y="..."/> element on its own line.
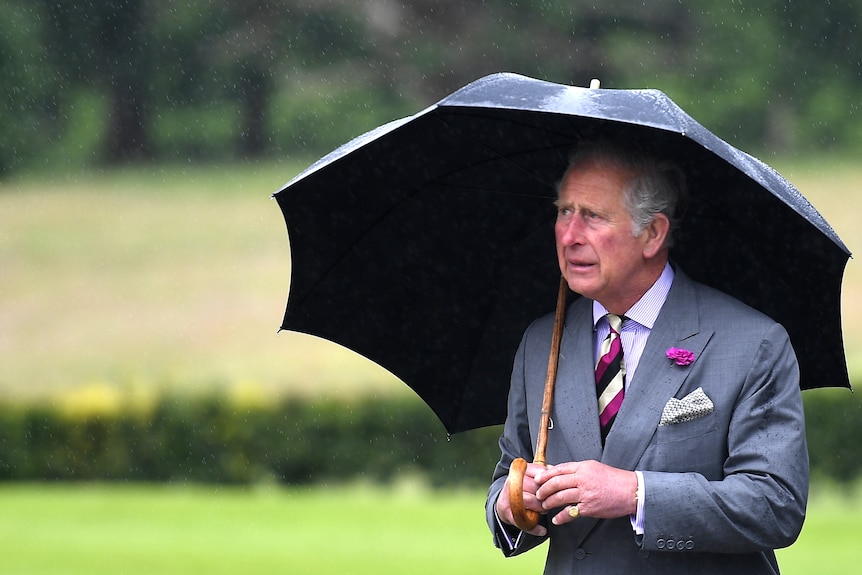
<point x="427" y="244"/>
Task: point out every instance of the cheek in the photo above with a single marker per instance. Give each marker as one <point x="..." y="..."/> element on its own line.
<point x="618" y="246"/>
<point x="608" y="247"/>
<point x="623" y="257"/>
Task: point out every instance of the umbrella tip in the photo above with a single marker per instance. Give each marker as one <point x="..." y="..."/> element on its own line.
<point x="595" y="84"/>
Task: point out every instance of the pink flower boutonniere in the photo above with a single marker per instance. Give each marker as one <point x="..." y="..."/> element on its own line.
<point x="680" y="356"/>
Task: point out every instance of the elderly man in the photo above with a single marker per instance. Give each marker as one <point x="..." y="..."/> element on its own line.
<point x="677" y="442"/>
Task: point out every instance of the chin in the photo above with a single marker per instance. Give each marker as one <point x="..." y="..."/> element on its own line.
<point x="578" y="286"/>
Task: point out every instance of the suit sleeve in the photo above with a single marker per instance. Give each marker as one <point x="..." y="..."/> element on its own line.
<point x="516" y="441"/>
<point x="759" y="501"/>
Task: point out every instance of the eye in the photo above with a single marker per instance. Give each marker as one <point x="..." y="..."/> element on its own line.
<point x="591" y="216"/>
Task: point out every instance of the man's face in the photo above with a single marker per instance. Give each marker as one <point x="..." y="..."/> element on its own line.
<point x="598" y="255"/>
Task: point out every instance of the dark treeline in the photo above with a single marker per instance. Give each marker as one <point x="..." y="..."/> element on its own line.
<point x="88" y="82"/>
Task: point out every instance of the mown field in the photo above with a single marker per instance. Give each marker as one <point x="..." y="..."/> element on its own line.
<point x="154" y="279"/>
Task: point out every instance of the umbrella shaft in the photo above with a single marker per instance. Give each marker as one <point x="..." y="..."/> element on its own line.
<point x="550" y="381"/>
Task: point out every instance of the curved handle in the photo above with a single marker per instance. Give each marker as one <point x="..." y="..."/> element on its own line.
<point x="525" y="519"/>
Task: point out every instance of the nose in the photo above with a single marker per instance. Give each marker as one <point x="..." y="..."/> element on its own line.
<point x="569" y="231"/>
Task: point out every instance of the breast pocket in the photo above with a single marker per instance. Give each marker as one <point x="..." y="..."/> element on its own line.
<point x="687" y="430"/>
<point x="691" y="446"/>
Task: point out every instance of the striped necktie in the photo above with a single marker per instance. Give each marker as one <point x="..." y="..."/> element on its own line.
<point x="610" y="376"/>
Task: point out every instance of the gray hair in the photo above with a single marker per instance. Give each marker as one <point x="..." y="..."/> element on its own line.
<point x="657" y="187"/>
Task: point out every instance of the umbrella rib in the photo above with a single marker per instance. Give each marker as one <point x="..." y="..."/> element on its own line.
<point x="495" y="191"/>
<point x="497" y="155"/>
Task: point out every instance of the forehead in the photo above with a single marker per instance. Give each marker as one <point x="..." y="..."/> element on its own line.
<point x="594" y="182"/>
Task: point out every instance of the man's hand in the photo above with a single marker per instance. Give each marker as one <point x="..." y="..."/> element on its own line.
<point x="597" y="489"/>
<point x="504" y="509"/>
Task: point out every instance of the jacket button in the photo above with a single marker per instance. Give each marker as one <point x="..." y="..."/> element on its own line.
<point x="689" y="544"/>
<point x="680" y="545"/>
<point x="580" y="554"/>
<point x="659" y="543"/>
<point x="670" y="544"/>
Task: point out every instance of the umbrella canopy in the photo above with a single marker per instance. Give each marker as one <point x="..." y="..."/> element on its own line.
<point x="427" y="244"/>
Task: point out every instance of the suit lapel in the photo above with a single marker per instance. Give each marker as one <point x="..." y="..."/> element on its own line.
<point x="657" y="379"/>
<point x="575" y="412"/>
<point x="576" y="435"/>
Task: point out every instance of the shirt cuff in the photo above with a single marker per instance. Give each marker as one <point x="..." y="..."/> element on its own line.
<point x="638" y="518"/>
<point x="510" y="539"/>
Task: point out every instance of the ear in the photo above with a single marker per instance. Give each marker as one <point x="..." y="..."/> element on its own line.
<point x="654" y="235"/>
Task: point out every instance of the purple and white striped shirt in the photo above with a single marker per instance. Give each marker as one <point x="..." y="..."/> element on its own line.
<point x="640" y="320"/>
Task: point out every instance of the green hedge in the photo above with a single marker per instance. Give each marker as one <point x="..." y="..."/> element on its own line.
<point x="833" y="420"/>
<point x="212" y="439"/>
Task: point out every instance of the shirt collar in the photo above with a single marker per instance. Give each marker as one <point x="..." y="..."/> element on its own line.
<point x="645" y="311"/>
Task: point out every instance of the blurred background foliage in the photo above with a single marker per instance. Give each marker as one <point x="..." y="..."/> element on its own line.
<point x="99" y="83"/>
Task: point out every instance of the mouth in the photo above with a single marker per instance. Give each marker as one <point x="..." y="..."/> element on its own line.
<point x="579" y="265"/>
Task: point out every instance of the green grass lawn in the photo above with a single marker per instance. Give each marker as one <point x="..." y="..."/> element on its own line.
<point x="829" y="542"/>
<point x="132" y="529"/>
<point x="148" y="529"/>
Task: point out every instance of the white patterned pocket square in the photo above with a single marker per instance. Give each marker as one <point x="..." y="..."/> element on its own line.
<point x="695" y="404"/>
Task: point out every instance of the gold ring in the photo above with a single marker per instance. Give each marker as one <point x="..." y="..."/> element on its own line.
<point x="574" y="511"/>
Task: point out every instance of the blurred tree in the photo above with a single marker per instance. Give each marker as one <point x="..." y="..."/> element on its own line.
<point x="106" y="44"/>
<point x="124" y="38"/>
<point x="225" y="78"/>
<point x="821" y="55"/>
<point x="268" y="39"/>
<point x="27" y="93"/>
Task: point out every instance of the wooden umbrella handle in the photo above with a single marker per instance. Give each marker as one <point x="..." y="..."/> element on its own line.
<point x="527" y="519"/>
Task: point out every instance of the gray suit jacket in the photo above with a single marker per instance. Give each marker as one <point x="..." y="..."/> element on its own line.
<point x="721" y="490"/>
